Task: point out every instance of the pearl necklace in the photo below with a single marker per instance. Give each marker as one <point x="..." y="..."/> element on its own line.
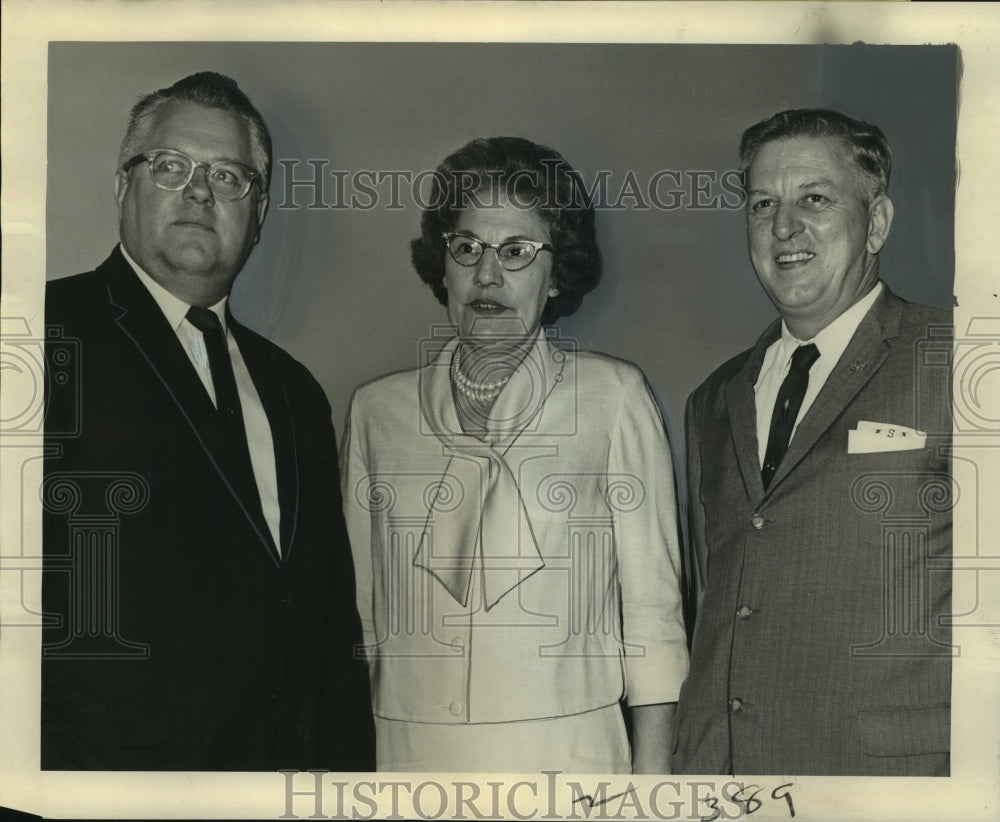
<point x="482" y="392"/>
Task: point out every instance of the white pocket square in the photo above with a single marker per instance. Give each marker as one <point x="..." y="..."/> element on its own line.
<point x="875" y="437"/>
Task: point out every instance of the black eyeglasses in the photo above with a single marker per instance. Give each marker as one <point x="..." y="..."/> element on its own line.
<point x="172" y="170"/>
<point x="512" y="255"/>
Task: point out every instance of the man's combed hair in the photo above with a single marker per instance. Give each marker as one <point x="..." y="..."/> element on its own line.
<point x="866" y="144"/>
<point x="209" y="89"/>
<point x="530" y="176"/>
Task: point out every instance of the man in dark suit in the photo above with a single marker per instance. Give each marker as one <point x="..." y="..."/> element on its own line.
<point x="198" y="587"/>
<point x="820" y="487"/>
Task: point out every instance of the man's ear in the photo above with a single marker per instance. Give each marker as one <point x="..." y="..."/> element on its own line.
<point x="262" y="202"/>
<point x="121" y="186"/>
<point x="879" y="223"/>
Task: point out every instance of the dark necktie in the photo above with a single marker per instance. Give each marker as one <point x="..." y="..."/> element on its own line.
<point x="227" y="398"/>
<point x="786" y="409"/>
<point x="234" y="449"/>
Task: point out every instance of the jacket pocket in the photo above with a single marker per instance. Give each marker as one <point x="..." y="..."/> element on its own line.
<point x="904" y="731"/>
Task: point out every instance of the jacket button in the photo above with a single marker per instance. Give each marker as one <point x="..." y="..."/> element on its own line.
<point x="757" y="521"/>
<point x="456" y="708"/>
<point x="458" y="644"/>
<point x="735" y="704"/>
<point x="744" y="611"/>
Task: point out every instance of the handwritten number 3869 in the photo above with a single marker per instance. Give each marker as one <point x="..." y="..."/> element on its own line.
<point x="748" y="804"/>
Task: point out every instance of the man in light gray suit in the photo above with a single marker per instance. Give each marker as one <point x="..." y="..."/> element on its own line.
<point x="820" y="487"/>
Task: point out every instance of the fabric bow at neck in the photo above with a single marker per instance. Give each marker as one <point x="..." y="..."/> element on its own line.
<point x="476" y="515"/>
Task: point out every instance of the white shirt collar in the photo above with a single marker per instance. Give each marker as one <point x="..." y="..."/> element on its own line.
<point x="173" y="308"/>
<point x="832" y="340"/>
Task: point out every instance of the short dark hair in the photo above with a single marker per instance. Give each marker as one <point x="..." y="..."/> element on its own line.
<point x="206" y="88"/>
<point x="528" y="174"/>
<point x="866" y="144"/>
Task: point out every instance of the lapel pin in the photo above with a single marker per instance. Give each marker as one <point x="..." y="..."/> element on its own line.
<point x="859" y="365"/>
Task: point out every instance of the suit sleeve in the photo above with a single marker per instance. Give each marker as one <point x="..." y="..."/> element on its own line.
<point x="642" y="495"/>
<point x="354" y="490"/>
<point x="347" y="730"/>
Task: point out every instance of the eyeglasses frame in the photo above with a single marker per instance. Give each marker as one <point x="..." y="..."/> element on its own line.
<point x="150" y="155"/>
<point x="537" y="246"/>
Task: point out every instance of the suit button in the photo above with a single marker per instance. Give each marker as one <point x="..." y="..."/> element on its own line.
<point x="274" y="696"/>
<point x="458" y="644"/>
<point x="735" y="704"/>
<point x="456" y="708"/>
<point x="757" y="521"/>
<point x="744" y="611"/>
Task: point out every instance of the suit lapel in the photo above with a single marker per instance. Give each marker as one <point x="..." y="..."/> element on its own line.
<point x="139" y="317"/>
<point x="742" y="404"/>
<point x="864" y="355"/>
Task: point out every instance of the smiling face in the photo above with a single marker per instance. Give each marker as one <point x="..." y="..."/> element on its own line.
<point x="487" y="303"/>
<point x="187" y="241"/>
<point x="813" y="238"/>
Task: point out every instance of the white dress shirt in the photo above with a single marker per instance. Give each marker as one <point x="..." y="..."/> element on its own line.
<point x="831" y="343"/>
<point x="258" y="429"/>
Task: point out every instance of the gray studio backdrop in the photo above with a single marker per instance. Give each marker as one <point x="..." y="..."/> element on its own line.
<point x="333" y="284"/>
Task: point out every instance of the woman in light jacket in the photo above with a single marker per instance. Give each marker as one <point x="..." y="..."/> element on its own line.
<point x="511" y="503"/>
